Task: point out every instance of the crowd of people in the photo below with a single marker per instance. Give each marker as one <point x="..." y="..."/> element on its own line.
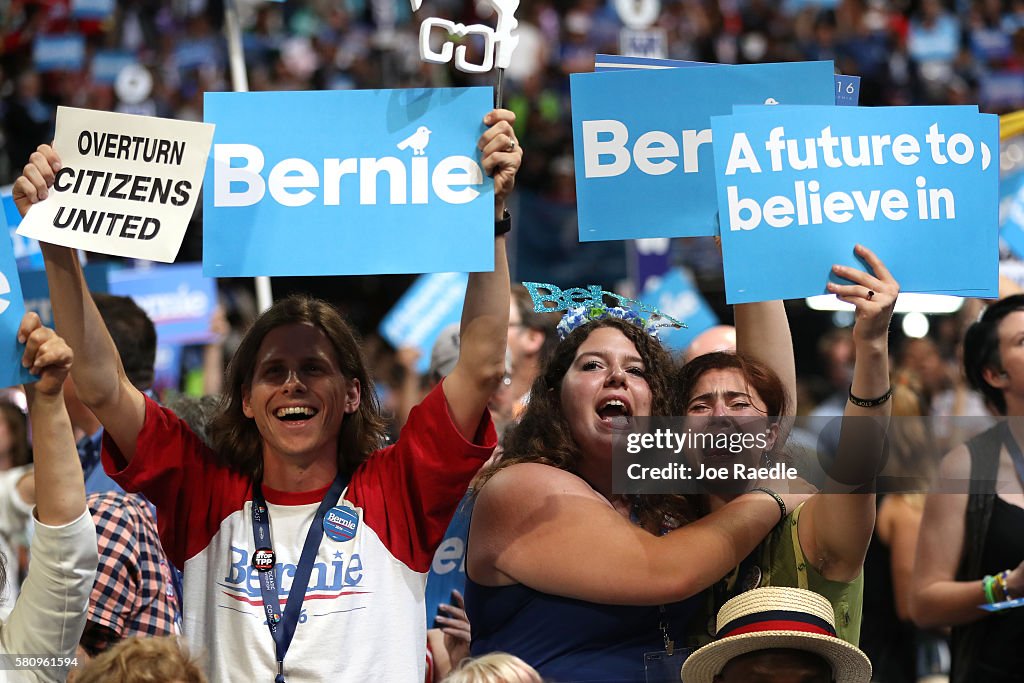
<point x="905" y="51"/>
<point x="283" y="533"/>
<point x="326" y="512"/>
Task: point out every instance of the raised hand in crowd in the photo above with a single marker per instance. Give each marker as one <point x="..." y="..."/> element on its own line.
<point x="49" y="615"/>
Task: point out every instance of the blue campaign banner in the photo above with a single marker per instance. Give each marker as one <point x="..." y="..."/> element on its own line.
<point x="37" y="291"/>
<point x="177" y="298"/>
<point x="798" y="187"/>
<point x="12" y="310"/>
<point x="275" y="201"/>
<point x="650" y="259"/>
<point x="96" y="10"/>
<point x="63" y="52"/>
<point x="642" y="141"/>
<point x="847" y="92"/>
<point x="191" y="54"/>
<point x="676" y="295"/>
<point x="448" y="568"/>
<point x="26" y="250"/>
<point x="431" y="304"/>
<point x="107" y="64"/>
<point x="1011" y="212"/>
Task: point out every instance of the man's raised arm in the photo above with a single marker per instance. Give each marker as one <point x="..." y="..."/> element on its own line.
<point x="99" y="378"/>
<point x="484" y="331"/>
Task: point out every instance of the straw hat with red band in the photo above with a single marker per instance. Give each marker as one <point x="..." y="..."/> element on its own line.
<point x="777" y="618"/>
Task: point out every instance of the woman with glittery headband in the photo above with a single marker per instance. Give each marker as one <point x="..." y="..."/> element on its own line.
<point x="579" y="582"/>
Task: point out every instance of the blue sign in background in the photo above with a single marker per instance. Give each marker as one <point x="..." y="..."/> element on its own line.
<point x="448" y="567"/>
<point x="431" y="304"/>
<point x="177" y="298"/>
<point x="37" y="291"/>
<point x="634" y="204"/>
<point x="1011" y="212"/>
<point x="92" y="9"/>
<point x="268" y="238"/>
<point x="107" y="64"/>
<point x="937" y="255"/>
<point x="63" y="52"/>
<point x="12" y="310"/>
<point x="26" y="250"/>
<point x="674" y="294"/>
<point x="847" y="92"/>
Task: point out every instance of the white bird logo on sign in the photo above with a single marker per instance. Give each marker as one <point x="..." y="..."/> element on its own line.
<point x="418" y="141"/>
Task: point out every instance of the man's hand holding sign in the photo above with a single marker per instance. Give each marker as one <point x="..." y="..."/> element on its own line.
<point x="127" y="185"/>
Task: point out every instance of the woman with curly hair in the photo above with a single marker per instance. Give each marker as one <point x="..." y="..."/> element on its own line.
<point x="575" y="580"/>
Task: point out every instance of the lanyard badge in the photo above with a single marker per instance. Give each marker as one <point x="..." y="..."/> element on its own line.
<point x="282" y="626"/>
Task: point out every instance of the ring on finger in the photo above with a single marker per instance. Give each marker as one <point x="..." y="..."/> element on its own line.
<point x="511" y="144"/>
<point x="871" y="295"/>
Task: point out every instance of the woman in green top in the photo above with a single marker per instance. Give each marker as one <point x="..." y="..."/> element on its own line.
<point x="819" y="546"/>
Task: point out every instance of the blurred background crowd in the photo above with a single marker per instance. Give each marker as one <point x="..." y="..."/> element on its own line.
<point x="905" y="51"/>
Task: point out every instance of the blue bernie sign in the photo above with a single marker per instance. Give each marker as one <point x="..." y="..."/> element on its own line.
<point x="37" y="291"/>
<point x="1011" y="212"/>
<point x="12" y="310"/>
<point x="448" y="568"/>
<point x="676" y="295"/>
<point x="26" y="250"/>
<point x="177" y="298"/>
<point x="96" y="10"/>
<point x="58" y="52"/>
<point x="431" y="304"/>
<point x="371" y="181"/>
<point x="642" y="141"/>
<point x="798" y="187"/>
<point x="847" y="92"/>
<point x="107" y="64"/>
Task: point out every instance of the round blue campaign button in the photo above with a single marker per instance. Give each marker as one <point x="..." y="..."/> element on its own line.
<point x="340" y="523"/>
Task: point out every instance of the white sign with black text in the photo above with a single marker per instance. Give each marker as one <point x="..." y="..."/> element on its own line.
<point x="127" y="185"/>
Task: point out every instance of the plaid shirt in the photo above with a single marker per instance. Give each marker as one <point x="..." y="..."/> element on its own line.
<point x="133" y="594"/>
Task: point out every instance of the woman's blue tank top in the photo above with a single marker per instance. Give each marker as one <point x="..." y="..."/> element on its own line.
<point x="572" y="640"/>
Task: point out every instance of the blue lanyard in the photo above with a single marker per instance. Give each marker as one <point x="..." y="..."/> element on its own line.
<point x="282" y="627"/>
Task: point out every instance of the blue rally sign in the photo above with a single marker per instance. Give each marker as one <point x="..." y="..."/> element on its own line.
<point x="177" y="298"/>
<point x="676" y="295"/>
<point x="12" y="310"/>
<point x="431" y="304"/>
<point x="36" y="289"/>
<point x="347" y="183"/>
<point x="847" y="90"/>
<point x="1011" y="212"/>
<point x="58" y="52"/>
<point x="642" y="141"/>
<point x="798" y="187"/>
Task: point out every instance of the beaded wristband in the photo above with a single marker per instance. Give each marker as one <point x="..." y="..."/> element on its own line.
<point x="1001" y="582"/>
